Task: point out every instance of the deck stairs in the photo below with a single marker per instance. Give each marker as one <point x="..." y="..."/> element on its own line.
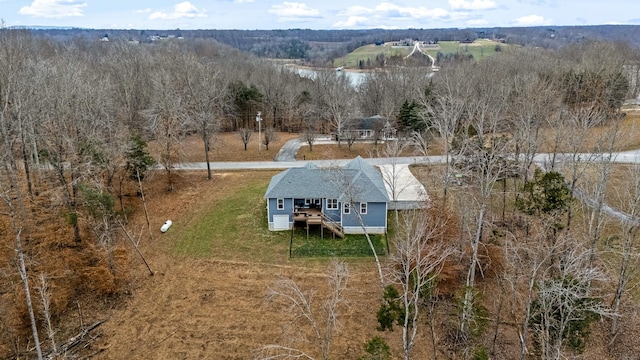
<point x="332" y="226"/>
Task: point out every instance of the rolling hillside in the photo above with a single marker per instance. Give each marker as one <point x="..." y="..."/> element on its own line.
<point x="365" y="56"/>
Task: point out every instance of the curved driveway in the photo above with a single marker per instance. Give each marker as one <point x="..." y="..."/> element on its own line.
<point x="288" y="151"/>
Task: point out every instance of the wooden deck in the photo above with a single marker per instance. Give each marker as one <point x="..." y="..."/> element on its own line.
<point x="314" y="216"/>
<point x="310" y="216"/>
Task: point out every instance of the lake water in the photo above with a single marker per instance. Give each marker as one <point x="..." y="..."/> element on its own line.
<point x="355" y="77"/>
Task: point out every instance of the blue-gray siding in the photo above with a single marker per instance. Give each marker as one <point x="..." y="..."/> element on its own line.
<point x="273" y="208"/>
<point x="376" y="215"/>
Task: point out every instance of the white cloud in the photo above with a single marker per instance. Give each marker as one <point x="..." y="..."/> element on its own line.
<point x="389" y="10"/>
<point x="243" y="1"/>
<point x="472" y="5"/>
<point x="143" y="11"/>
<point x="477" y="22"/>
<point x="181" y="10"/>
<point x="356" y="10"/>
<point x="411" y="12"/>
<point x="532" y="20"/>
<point x="54" y="8"/>
<point x="385" y="12"/>
<point x="352" y="21"/>
<point x="293" y="11"/>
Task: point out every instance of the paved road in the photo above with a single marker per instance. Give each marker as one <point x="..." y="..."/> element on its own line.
<point x="320" y="163"/>
<point x="409" y="192"/>
<point x="411" y="189"/>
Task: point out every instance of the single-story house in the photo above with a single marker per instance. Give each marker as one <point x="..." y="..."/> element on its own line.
<point x="334" y="198"/>
<point x="372" y="127"/>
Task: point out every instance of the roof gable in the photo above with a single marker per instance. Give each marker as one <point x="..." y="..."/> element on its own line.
<point x="357" y="181"/>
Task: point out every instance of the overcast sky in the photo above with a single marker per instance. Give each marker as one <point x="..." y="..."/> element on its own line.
<point x="315" y="14"/>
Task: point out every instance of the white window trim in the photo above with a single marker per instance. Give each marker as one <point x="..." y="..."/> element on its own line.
<point x="346" y="208"/>
<point x="363" y="208"/>
<point x="280" y="203"/>
<point x="331" y="204"/>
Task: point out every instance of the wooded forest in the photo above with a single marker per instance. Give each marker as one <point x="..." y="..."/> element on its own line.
<point x="76" y="116"/>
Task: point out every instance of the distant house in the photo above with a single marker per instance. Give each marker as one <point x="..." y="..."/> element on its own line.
<point x="331" y="198"/>
<point x="373" y="127"/>
<point x="403" y="42"/>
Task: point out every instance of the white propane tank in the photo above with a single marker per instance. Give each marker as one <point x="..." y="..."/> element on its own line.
<point x="166" y="226"/>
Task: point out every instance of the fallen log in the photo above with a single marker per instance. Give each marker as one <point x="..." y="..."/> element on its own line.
<point x="73" y="342"/>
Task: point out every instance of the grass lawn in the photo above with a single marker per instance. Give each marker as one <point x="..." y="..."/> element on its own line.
<point x="332" y="151"/>
<point x="232" y="225"/>
<point x="368" y="52"/>
<point x="353" y="245"/>
<point x="229" y="223"/>
<point x="480" y="48"/>
<point x="226" y="146"/>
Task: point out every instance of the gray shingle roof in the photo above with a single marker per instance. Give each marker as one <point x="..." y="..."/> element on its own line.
<point x="357" y="180"/>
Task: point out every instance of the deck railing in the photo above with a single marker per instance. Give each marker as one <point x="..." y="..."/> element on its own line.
<point x="332" y="225"/>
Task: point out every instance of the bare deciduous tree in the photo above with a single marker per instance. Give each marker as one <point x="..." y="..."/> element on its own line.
<point x="12" y="198"/>
<point x="45" y="302"/>
<point x="575" y="127"/>
<point x="565" y="303"/>
<point x="334" y="97"/>
<point x="309" y="133"/>
<point x="75" y="129"/>
<point x="128" y="68"/>
<point x="420" y="141"/>
<point x="245" y="136"/>
<point x="207" y="92"/>
<point x="628" y="260"/>
<point x="447" y="114"/>
<point x="351" y="135"/>
<point x="351" y="198"/>
<point x="415" y="265"/>
<point x="392" y="171"/>
<point x="315" y="324"/>
<point x="269" y="135"/>
<point x="166" y="119"/>
<point x="483" y="159"/>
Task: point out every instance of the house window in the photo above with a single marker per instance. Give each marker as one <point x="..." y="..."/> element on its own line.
<point x="332" y="204"/>
<point x="363" y="208"/>
<point x="280" y="204"/>
<point x="346" y="208"/>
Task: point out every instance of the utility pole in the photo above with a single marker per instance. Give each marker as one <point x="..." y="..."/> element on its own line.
<point x="259" y="120"/>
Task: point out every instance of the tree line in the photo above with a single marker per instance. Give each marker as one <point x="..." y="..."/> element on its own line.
<point x="321" y="47"/>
